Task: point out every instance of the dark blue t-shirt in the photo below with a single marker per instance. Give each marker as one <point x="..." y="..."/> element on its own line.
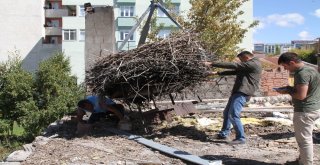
<point x="95" y="101"/>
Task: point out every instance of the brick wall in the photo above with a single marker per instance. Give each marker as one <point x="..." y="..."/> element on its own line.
<point x="271" y="78"/>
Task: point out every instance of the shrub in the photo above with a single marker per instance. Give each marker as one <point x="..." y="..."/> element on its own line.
<point x="15" y="87"/>
<point x="56" y="94"/>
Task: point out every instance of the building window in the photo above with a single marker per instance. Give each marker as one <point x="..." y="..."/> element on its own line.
<point x="174" y="9"/>
<point x="82" y="35"/>
<point x="126" y="11"/>
<point x="69" y="35"/>
<point x="123" y="35"/>
<point x="82" y="13"/>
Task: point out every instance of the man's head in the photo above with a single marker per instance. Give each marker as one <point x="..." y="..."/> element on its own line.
<point x="245" y="56"/>
<point x="290" y="61"/>
<point x="85" y="104"/>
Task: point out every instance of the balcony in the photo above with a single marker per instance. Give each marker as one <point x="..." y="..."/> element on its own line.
<point x="56" y="13"/>
<point x="53" y="31"/>
<point x="126" y="21"/>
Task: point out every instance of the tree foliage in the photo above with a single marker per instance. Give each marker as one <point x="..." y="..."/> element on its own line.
<point x="15" y="88"/>
<point x="219" y="25"/>
<point x="56" y="93"/>
<point x="308" y="55"/>
<point x="35" y="101"/>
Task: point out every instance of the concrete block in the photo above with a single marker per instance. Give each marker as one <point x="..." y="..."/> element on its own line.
<point x="10" y="163"/>
<point x="18" y="156"/>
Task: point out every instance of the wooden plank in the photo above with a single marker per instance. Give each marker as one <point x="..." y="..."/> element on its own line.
<point x="168" y="150"/>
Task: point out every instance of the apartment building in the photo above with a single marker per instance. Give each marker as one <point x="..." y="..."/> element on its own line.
<point x="39" y="28"/>
<point x="126" y="12"/>
<point x="22" y="32"/>
<point x="279" y="48"/>
<point x="304" y="44"/>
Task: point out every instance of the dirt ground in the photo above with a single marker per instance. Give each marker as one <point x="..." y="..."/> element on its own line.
<point x="266" y="145"/>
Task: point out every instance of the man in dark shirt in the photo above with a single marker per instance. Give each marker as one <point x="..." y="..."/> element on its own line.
<point x="248" y="74"/>
<point x="306" y="102"/>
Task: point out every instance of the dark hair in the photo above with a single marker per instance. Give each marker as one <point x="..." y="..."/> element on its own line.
<point x="82" y="103"/>
<point x="286" y="57"/>
<point x="245" y="53"/>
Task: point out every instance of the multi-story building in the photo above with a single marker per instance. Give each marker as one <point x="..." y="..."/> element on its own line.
<point x="272" y="48"/>
<point x="25" y="31"/>
<point x="285" y="47"/>
<point x="258" y="47"/>
<point x="303" y="44"/>
<point x="39" y="28"/>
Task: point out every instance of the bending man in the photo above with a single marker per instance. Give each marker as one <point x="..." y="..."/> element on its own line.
<point x="248" y="74"/>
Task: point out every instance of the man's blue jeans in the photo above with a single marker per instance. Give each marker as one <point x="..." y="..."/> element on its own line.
<point x="231" y="115"/>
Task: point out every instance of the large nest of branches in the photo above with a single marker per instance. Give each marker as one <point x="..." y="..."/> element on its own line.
<point x="154" y="69"/>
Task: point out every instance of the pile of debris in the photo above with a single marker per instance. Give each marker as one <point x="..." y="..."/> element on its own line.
<point x="154" y="69"/>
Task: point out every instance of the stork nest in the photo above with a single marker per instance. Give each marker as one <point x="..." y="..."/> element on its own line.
<point x="151" y="70"/>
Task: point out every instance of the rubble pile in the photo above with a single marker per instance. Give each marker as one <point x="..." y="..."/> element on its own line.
<point x="154" y="69"/>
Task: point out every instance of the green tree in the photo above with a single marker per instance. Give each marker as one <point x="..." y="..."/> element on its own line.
<point x="56" y="93"/>
<point x="16" y="86"/>
<point x="278" y="51"/>
<point x="308" y="55"/>
<point x="218" y="23"/>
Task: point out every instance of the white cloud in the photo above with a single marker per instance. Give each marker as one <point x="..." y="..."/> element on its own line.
<point x="317" y="12"/>
<point x="286" y="20"/>
<point x="304" y="35"/>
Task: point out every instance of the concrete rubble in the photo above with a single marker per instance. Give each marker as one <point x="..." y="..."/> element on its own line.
<point x="273" y="118"/>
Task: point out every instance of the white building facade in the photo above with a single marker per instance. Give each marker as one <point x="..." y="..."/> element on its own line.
<point x="22" y="32"/>
<point x="37" y="29"/>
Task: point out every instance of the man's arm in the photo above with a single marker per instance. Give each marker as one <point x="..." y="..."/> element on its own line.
<point x="228" y="72"/>
<point x="223" y="73"/>
<point x="242" y="66"/>
<point x="232" y="65"/>
<point x="300" y="91"/>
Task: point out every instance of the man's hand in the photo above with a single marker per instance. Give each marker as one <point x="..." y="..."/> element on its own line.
<point x="206" y="63"/>
<point x="212" y="73"/>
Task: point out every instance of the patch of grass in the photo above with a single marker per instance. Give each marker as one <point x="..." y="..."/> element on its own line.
<point x="8" y="144"/>
<point x="4" y="152"/>
<point x="17" y="130"/>
<point x="8" y="148"/>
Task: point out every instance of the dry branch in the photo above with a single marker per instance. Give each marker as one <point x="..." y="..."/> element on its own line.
<point x="154" y="69"/>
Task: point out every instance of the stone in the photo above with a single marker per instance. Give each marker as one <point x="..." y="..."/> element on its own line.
<point x="10" y="163"/>
<point x="18" y="156"/>
<point x="29" y="147"/>
<point x="40" y="140"/>
<point x="317" y="124"/>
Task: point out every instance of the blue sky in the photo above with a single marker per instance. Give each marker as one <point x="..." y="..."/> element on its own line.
<point x="284" y="20"/>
